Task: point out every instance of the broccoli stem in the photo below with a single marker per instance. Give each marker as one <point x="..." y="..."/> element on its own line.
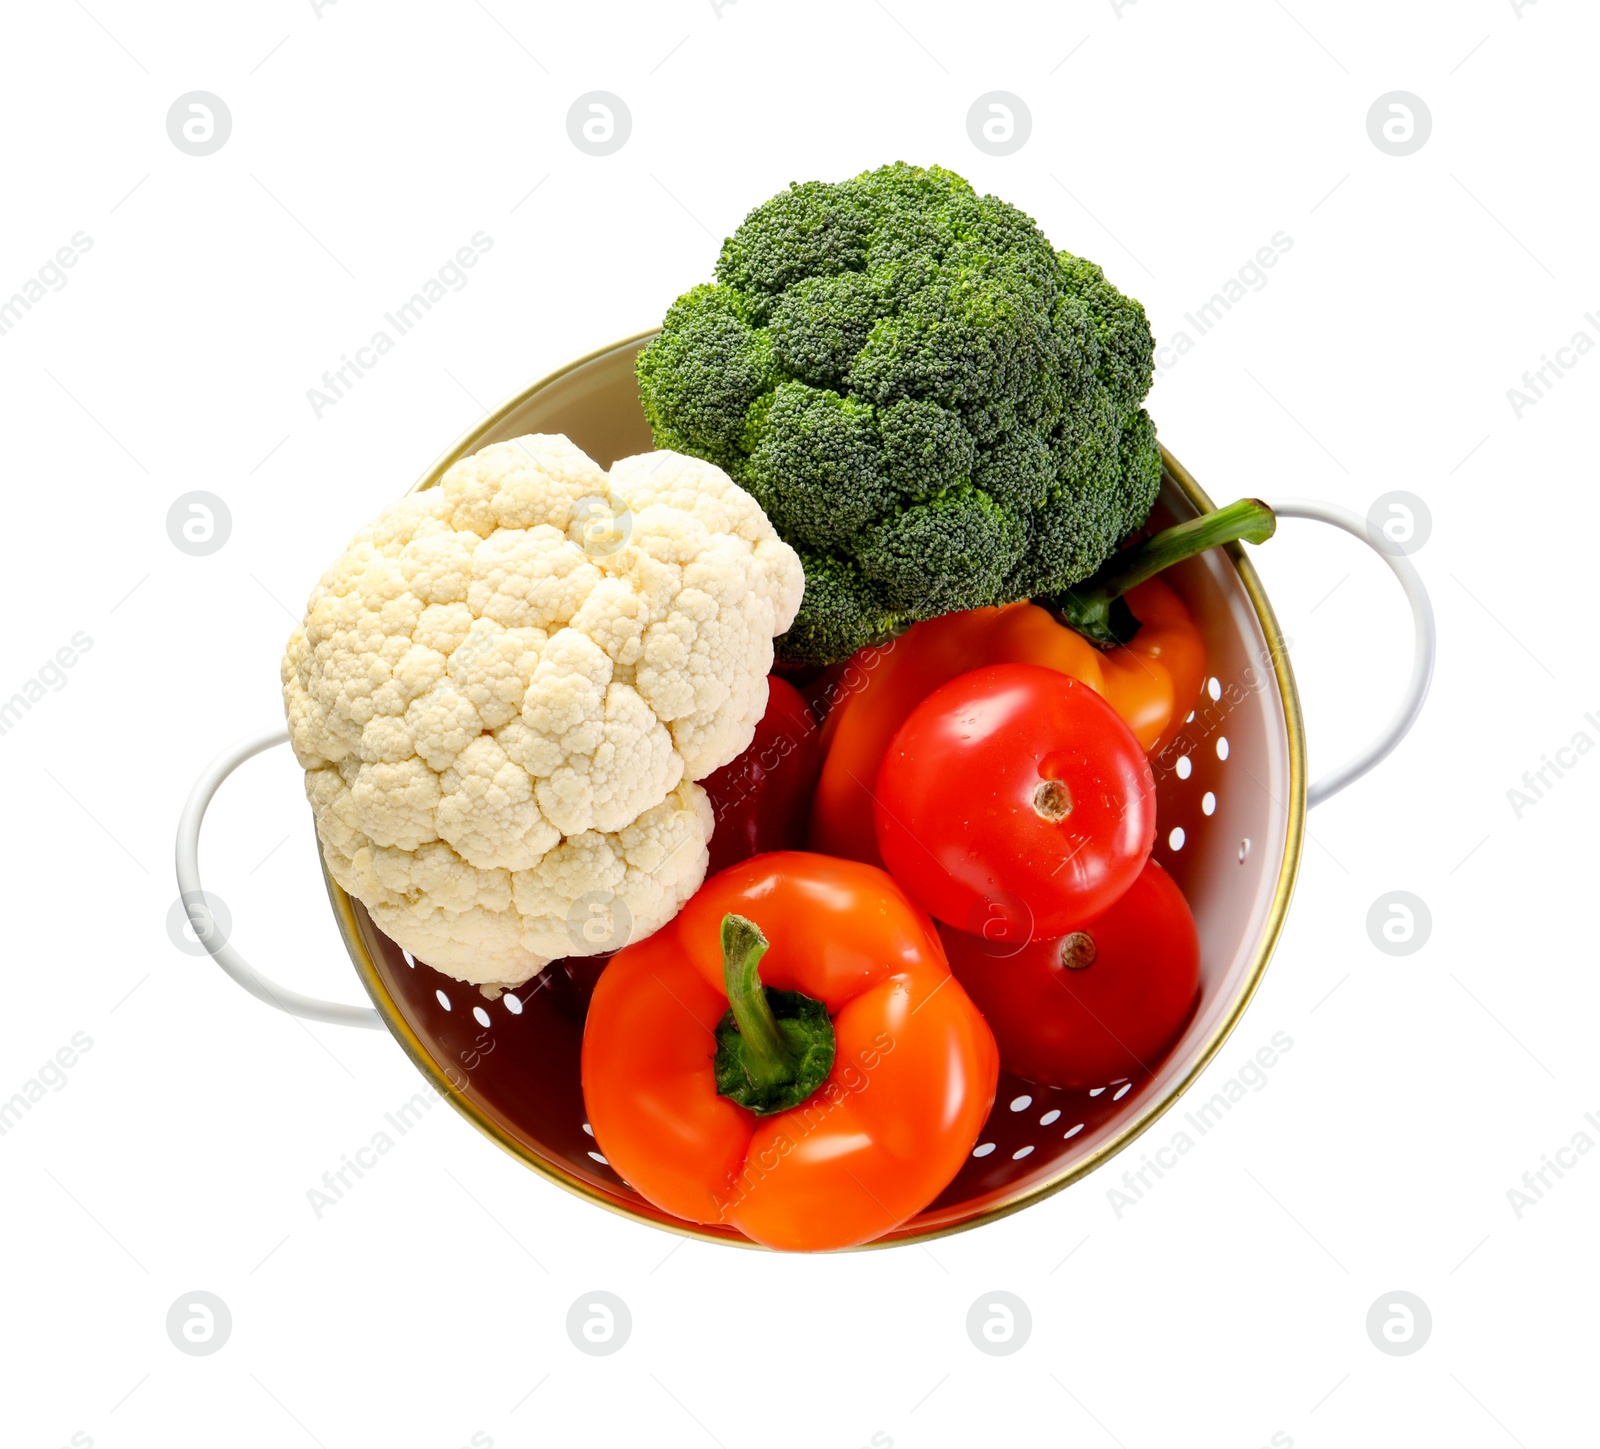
<point x="1096" y="608"/>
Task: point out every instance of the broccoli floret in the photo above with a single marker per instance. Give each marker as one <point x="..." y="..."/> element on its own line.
<point x="810" y="230"/>
<point x="1127" y="360"/>
<point x="926" y="450"/>
<point x="1017" y="472"/>
<point x="842" y="613"/>
<point x="817" y="468"/>
<point x="703" y="374"/>
<point x="820" y="324"/>
<point x="953" y="552"/>
<point x="937" y="408"/>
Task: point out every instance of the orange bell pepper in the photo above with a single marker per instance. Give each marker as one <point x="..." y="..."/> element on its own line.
<point x="817" y="1102"/>
<point x="1145" y="682"/>
<point x="1152" y="680"/>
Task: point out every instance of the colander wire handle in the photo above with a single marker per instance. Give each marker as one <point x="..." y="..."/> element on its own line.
<point x="188" y="863"/>
<point x="1423" y="652"/>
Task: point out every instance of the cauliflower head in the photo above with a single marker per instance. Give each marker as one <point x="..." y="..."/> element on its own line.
<point x="505" y="687"/>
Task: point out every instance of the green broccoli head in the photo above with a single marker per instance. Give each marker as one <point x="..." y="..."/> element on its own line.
<point x="935" y="407"/>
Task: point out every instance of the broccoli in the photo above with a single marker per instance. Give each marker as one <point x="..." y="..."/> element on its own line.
<point x="937" y="409"/>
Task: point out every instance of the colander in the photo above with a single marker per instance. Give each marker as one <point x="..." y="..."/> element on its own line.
<point x="1232" y="798"/>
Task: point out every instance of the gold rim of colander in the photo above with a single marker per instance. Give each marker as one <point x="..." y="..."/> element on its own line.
<point x="390" y="1013"/>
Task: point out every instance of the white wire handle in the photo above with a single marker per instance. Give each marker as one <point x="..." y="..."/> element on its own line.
<point x="188" y="861"/>
<point x="1426" y="646"/>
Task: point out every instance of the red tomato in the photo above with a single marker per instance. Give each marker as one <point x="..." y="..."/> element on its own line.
<point x="762" y="799"/>
<point x="1098" y="1004"/>
<point x="1014" y="802"/>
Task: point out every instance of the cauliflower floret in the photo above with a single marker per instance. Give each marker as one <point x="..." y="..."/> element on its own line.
<point x="495" y="928"/>
<point x="503" y="690"/>
<point x="705" y="657"/>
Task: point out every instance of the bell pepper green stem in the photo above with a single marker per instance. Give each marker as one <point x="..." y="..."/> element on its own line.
<point x="1096" y="609"/>
<point x="768" y="1058"/>
<point x="774" y="1048"/>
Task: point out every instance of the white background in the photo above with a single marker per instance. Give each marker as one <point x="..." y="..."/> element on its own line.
<point x="368" y="144"/>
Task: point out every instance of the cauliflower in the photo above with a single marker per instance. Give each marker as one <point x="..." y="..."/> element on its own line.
<point x="505" y="688"/>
